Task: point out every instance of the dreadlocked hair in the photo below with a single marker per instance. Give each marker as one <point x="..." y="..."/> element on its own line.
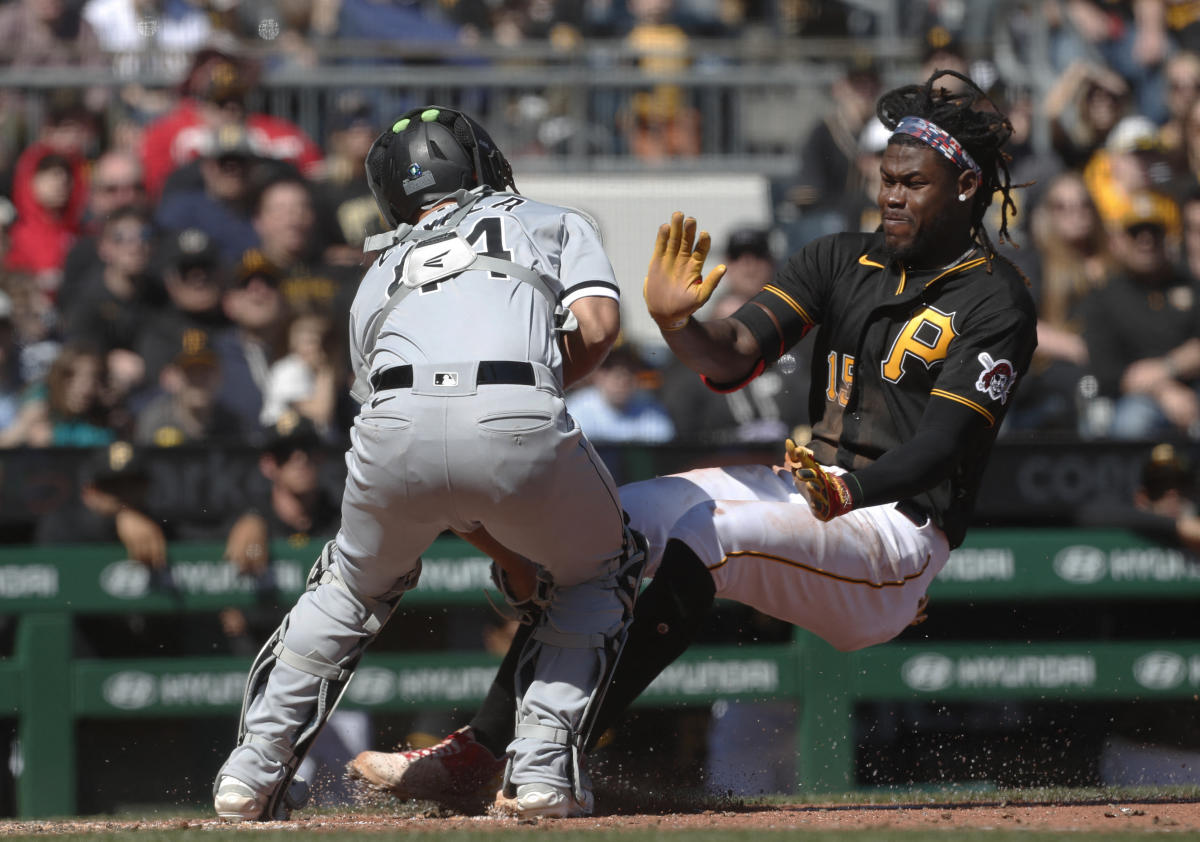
<point x="981" y="131"/>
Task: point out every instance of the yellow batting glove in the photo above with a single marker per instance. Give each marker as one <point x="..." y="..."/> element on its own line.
<point x="827" y="494"/>
<point x="675" y="286"/>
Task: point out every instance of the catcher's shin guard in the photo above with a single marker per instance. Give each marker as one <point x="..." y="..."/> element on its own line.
<point x="624" y="579"/>
<point x="670" y="613"/>
<point x="628" y="582"/>
<point x="331" y="677"/>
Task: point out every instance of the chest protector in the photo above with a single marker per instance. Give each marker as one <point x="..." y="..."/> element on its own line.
<point x="441" y="254"/>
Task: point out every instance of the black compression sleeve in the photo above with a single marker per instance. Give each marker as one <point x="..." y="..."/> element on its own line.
<point x="923" y="461"/>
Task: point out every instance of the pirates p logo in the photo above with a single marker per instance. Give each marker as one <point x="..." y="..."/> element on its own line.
<point x="925" y="337"/>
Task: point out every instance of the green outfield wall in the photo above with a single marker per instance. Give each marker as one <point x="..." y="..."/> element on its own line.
<point x="47" y="690"/>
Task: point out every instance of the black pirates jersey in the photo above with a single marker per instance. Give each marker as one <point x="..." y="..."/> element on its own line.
<point x="888" y="341"/>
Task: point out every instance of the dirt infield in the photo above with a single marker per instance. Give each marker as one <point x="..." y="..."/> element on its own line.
<point x="1107" y="818"/>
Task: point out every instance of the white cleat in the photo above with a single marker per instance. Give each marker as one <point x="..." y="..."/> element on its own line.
<point x="236" y="802"/>
<point x="539" y="800"/>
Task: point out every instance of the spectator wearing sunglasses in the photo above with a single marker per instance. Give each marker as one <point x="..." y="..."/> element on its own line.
<point x="118" y="298"/>
<point x="116" y="182"/>
<point x="1141" y="325"/>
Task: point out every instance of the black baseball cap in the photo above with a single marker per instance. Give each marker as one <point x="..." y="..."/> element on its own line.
<point x="190" y="248"/>
<point x="753" y="241"/>
<point x="1167" y="469"/>
<point x="219" y="77"/>
<point x="195" y="350"/>
<point x="230" y="141"/>
<point x="255" y="264"/>
<point x="119" y="461"/>
<point x="198" y="358"/>
<point x="624" y="355"/>
<point x="291" y="432"/>
<point x="350" y="110"/>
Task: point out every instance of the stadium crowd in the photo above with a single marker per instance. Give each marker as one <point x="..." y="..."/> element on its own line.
<point x="177" y="266"/>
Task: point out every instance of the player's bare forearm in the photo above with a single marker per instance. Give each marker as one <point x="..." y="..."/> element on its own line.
<point x="142" y="537"/>
<point x="1153" y="375"/>
<point x="1187" y="527"/>
<point x="724" y="350"/>
<point x="520" y="571"/>
<point x="1183" y="362"/>
<point x="247" y="544"/>
<point x="322" y="404"/>
<point x="586" y="347"/>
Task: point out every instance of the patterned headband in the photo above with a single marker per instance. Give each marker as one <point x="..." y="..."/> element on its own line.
<point x="939" y="139"/>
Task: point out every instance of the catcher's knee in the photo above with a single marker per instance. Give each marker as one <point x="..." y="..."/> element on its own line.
<point x="528" y="608"/>
<point x="326" y="632"/>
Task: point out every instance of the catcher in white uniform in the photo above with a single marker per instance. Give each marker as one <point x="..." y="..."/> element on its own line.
<point x="922" y="332"/>
<point x="481" y="304"/>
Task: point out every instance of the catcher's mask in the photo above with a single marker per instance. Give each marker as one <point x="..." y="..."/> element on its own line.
<point x="431" y="152"/>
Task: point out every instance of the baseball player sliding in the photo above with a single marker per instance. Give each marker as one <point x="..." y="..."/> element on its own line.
<point x="481" y="305"/>
<point x="922" y="333"/>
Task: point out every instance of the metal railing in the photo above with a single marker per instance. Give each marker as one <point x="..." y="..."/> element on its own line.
<point x="752" y="99"/>
<point x="551" y="118"/>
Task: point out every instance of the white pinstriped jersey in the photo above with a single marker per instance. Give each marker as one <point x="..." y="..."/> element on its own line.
<point x="479" y="314"/>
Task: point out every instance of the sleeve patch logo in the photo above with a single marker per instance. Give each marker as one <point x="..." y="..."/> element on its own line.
<point x="997" y="379"/>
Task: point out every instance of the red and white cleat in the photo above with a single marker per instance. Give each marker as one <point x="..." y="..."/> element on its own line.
<point x="458" y="772"/>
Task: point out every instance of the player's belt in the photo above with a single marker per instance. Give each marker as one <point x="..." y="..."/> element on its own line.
<point x="490" y="372"/>
<point x="913" y="511"/>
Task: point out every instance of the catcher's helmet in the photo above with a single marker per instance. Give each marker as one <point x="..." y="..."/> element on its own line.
<point x="430" y="152"/>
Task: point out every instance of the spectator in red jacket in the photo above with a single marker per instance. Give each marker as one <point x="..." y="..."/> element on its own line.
<point x="213" y="96"/>
<point x="50" y="194"/>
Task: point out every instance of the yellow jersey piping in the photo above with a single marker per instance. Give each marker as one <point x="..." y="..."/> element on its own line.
<point x="865" y="261"/>
<point x="791" y="302"/>
<point x="895" y="583"/>
<point x="941" y="393"/>
<point x="968" y="265"/>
